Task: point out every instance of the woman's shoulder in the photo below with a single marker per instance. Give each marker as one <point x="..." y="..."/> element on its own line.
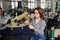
<point x="43" y="21"/>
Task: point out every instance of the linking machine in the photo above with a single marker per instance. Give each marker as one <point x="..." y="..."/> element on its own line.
<point x="18" y="21"/>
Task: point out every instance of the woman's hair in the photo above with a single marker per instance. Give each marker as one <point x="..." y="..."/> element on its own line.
<point x="40" y="11"/>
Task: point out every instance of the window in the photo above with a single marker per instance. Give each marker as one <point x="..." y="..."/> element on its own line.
<point x="14" y="3"/>
<point x="48" y="4"/>
<point x="1" y="5"/>
<point x="43" y="0"/>
<point x="43" y="3"/>
<point x="31" y="0"/>
<point x="31" y="4"/>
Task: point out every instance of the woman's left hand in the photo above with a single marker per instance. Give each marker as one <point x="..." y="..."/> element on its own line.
<point x="26" y="22"/>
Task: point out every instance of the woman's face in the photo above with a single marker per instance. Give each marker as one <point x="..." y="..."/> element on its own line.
<point x="36" y="14"/>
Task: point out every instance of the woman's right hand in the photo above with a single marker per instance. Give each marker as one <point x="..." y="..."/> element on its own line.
<point x="31" y="27"/>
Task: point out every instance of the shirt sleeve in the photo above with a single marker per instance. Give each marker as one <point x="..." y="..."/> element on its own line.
<point x="31" y="23"/>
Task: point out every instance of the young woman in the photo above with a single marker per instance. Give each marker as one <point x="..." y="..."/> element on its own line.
<point x="38" y="24"/>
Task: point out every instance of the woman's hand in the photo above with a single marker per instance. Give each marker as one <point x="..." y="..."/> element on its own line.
<point x="31" y="27"/>
<point x="26" y="22"/>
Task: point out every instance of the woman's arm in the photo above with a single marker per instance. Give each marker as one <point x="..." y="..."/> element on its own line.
<point x="31" y="25"/>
